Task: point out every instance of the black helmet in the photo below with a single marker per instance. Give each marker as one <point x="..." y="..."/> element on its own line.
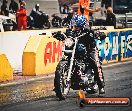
<point x="37" y="5"/>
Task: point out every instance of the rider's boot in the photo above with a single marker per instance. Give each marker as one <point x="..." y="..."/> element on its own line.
<point x="101" y="91"/>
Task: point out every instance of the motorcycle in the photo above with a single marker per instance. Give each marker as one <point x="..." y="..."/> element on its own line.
<point x="39" y="20"/>
<point x="74" y="71"/>
<point x="67" y="19"/>
<point x="7" y="23"/>
<point x="56" y="21"/>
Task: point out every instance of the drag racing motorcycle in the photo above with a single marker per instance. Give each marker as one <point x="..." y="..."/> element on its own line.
<point x="56" y="21"/>
<point x="71" y="72"/>
<point x="39" y="20"/>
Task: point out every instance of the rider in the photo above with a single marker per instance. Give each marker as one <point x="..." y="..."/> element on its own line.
<point x="35" y="16"/>
<point x="79" y="22"/>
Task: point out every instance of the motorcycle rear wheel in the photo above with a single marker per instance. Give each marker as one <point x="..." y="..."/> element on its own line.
<point x="62" y="87"/>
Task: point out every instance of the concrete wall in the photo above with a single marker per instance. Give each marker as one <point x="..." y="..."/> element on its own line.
<point x="12" y="44"/>
<point x="6" y="71"/>
<point x="42" y="53"/>
<point x="117" y="45"/>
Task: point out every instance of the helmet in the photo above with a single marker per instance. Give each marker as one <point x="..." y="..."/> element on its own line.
<point x="37" y="6"/>
<point x="79" y="21"/>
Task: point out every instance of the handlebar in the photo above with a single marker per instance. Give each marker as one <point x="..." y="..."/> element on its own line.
<point x="62" y="36"/>
<point x="59" y="36"/>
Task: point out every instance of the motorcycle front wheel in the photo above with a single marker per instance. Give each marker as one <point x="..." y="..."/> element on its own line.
<point x="61" y="85"/>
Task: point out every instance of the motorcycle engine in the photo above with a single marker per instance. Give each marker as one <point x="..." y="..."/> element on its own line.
<point x="87" y="78"/>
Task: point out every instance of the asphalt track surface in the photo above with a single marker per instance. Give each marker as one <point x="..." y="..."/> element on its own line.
<point x="118" y="79"/>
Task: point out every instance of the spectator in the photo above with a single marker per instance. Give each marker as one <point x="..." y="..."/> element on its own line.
<point x="84" y="8"/>
<point x="110" y="17"/>
<point x="65" y="9"/>
<point x="22" y="17"/>
<point x="13" y="6"/>
<point x="91" y="19"/>
<point x="4" y="9"/>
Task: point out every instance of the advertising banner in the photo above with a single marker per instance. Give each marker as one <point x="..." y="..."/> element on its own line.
<point x="116" y="47"/>
<point x="41" y="55"/>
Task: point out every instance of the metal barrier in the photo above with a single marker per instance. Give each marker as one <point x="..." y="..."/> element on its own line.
<point x="128" y="19"/>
